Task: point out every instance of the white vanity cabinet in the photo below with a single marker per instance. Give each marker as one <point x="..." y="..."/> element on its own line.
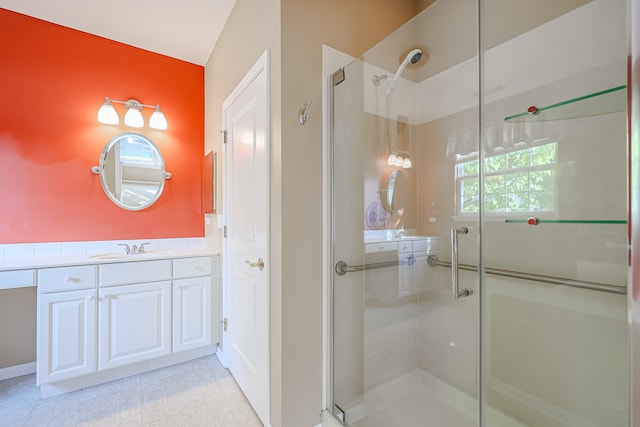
<point x="406" y="273"/>
<point x="414" y="275"/>
<point x="66" y="332"/>
<point x="423" y="273"/>
<point x="192" y="303"/>
<point x="102" y="321"/>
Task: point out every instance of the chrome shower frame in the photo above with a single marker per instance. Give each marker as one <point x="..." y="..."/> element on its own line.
<point x="633" y="293"/>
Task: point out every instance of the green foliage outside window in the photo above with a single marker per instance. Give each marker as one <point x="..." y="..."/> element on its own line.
<point x="515" y="181"/>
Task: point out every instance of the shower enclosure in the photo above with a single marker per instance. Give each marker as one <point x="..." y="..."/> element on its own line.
<point x="479" y="229"/>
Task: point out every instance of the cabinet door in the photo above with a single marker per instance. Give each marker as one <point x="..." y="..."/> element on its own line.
<point x="405" y="274"/>
<point x="66" y="335"/>
<point x="421" y="278"/>
<point x="134" y="323"/>
<point x="192" y="313"/>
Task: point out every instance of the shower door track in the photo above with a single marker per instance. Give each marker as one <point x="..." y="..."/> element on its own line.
<point x="433" y="261"/>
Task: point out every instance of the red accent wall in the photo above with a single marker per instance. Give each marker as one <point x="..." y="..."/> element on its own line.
<point x="52" y="82"/>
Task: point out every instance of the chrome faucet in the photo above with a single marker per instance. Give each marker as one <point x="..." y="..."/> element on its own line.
<point x="399" y="233"/>
<point x="133" y="250"/>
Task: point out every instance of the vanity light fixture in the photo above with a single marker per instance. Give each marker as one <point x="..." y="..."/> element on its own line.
<point x="399" y="160"/>
<point x="107" y="114"/>
<point x="133" y="117"/>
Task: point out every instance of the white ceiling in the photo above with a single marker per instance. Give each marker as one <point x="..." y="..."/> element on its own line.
<point x="185" y="29"/>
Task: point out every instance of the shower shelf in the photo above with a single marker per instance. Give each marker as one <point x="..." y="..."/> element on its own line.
<point x="604" y="102"/>
<point x="567" y="221"/>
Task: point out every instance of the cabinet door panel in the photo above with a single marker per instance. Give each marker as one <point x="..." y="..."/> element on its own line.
<point x="66" y="335"/>
<point x="192" y="306"/>
<point x="135" y="323"/>
<point x="405" y="275"/>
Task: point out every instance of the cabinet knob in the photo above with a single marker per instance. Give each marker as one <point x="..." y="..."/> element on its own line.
<point x="70" y="279"/>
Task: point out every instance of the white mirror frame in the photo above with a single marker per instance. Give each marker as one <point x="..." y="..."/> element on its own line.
<point x="117" y="199"/>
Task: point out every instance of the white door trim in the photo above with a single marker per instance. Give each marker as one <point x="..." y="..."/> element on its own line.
<point x="261" y="65"/>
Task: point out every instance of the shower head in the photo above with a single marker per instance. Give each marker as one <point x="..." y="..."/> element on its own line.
<point x="413" y="57"/>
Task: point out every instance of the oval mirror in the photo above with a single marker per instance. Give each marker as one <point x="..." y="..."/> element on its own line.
<point x="132" y="171"/>
<point x="395" y="198"/>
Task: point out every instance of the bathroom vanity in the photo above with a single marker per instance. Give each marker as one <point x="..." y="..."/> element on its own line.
<point x="413" y="274"/>
<point x="109" y="316"/>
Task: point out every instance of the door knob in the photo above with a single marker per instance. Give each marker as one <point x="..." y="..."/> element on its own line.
<point x="259" y="263"/>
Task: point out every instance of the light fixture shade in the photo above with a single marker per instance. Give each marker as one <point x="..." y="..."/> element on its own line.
<point x="107" y="114"/>
<point x="391" y="160"/>
<point x="406" y="163"/>
<point x="158" y="120"/>
<point x="399" y="161"/>
<point x="133" y="116"/>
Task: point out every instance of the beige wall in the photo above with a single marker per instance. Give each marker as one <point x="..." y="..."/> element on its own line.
<point x="17" y="326"/>
<point x="294" y="31"/>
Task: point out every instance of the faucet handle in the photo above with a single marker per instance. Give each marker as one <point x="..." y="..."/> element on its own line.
<point x="141" y="250"/>
<point x="127" y="249"/>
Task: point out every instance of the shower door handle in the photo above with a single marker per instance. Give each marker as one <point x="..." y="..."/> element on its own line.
<point x="455" y="279"/>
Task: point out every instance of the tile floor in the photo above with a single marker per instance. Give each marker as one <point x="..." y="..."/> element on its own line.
<point x="196" y="393"/>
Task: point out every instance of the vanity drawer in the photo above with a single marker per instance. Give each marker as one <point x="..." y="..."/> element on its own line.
<point x="17" y="279"/>
<point x="405" y="247"/>
<point x="134" y="272"/>
<point x="191" y="267"/>
<point x="421" y="245"/>
<point x="380" y="247"/>
<point x="66" y="278"/>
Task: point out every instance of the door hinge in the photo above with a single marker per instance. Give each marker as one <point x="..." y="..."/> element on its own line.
<point x="224" y="231"/>
<point x="338" y="77"/>
<point x="225" y="323"/>
<point x="224" y="136"/>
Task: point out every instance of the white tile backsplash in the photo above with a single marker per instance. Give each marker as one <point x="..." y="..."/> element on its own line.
<point x="96" y="247"/>
<point x="197" y="243"/>
<point x="47" y="249"/>
<point x="158" y="245"/>
<point x="180" y="244"/>
<point x="74" y="248"/>
<point x="19" y="250"/>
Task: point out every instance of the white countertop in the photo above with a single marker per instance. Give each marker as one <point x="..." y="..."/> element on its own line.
<point x="22" y="263"/>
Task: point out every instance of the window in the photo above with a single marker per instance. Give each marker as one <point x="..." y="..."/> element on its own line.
<point x="521" y="180"/>
<point x="135" y="151"/>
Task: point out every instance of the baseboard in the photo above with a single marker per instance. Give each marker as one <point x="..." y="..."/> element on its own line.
<point x="17" y="371"/>
<point x="221" y="357"/>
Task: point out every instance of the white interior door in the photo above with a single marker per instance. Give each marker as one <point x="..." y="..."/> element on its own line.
<point x="246" y="200"/>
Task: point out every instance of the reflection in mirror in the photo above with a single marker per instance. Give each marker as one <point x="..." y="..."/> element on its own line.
<point x="132" y="171"/>
<point x="395" y="196"/>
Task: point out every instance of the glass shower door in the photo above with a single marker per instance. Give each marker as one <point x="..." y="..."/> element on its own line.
<point x="480" y="220"/>
<point x="555" y="204"/>
<point x="405" y="352"/>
